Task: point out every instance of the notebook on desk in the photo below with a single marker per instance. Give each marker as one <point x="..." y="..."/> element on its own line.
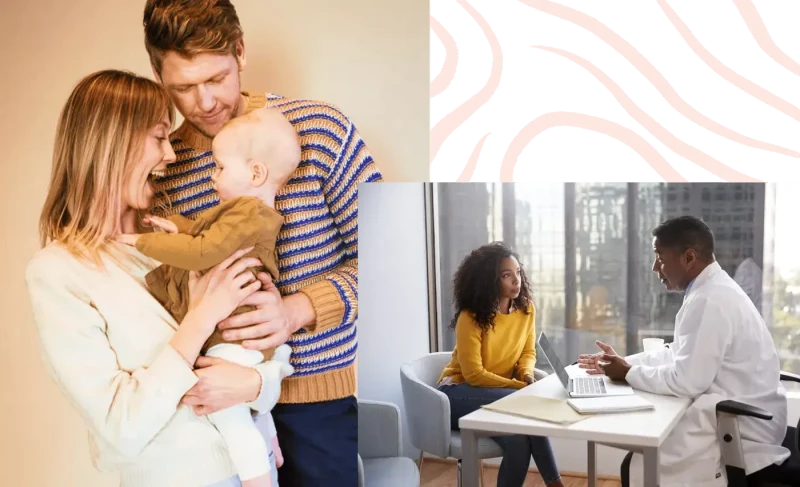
<point x="610" y="404"/>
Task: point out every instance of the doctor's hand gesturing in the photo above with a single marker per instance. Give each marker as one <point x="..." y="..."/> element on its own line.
<point x="615" y="367"/>
<point x="591" y="361"/>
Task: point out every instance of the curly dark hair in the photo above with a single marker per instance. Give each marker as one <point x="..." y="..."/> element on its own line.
<point x="476" y="285"/>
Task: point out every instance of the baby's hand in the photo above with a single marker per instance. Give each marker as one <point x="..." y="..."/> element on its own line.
<point x="127" y="238"/>
<point x="160" y="223"/>
<point x="276" y="450"/>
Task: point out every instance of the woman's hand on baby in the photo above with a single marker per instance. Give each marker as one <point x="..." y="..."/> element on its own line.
<point x="221" y="384"/>
<point x="127" y="238"/>
<point x="160" y="223"/>
<point x="222" y="289"/>
<point x="276" y="449"/>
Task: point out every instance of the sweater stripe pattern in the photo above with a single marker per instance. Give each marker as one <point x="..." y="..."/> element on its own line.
<point x="317" y="246"/>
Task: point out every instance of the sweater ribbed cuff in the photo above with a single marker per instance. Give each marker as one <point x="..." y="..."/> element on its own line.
<point x="327" y="304"/>
<point x="327" y="386"/>
<point x="172" y="375"/>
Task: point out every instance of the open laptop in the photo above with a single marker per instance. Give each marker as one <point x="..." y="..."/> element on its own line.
<point x="588" y="386"/>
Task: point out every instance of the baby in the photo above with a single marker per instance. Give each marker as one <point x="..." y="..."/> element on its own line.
<point x="255" y="155"/>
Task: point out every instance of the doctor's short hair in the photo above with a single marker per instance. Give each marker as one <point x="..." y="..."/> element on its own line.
<point x="686" y="232"/>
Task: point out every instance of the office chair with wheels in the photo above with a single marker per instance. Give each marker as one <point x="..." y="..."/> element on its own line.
<point x="785" y="475"/>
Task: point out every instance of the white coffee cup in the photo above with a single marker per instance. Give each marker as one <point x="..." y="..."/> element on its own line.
<point x="652" y="344"/>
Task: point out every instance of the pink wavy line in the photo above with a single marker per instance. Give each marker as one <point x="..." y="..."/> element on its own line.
<point x="588" y="122"/>
<point x="667" y="138"/>
<point x="760" y="33"/>
<point x="624" y="48"/>
<point x="448" y="72"/>
<point x="469" y="169"/>
<point x="727" y="73"/>
<point x="454" y="119"/>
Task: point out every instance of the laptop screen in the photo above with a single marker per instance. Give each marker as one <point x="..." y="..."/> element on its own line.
<point x="551" y="357"/>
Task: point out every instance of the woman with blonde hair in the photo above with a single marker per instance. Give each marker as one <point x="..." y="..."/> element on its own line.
<point x="121" y="358"/>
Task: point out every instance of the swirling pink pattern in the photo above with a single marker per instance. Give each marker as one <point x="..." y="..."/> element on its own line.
<point x="588" y="122"/>
<point x="469" y="169"/>
<point x="447" y="125"/>
<point x="637" y="60"/>
<point x="454" y="119"/>
<point x="756" y="26"/>
<point x="662" y="134"/>
<point x="725" y="72"/>
<point x="448" y="72"/>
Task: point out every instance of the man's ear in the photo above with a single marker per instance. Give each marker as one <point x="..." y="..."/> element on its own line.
<point x="690" y="255"/>
<point x="260" y="173"/>
<point x="241" y="58"/>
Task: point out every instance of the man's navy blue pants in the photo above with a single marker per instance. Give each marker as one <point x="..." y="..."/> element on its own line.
<point x="319" y="442"/>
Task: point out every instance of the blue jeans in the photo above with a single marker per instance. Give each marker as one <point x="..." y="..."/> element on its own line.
<point x="517" y="449"/>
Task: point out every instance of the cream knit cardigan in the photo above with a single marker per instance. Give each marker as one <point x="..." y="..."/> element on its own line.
<point x="106" y="340"/>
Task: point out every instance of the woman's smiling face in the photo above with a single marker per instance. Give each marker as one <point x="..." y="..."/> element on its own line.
<point x="154" y="155"/>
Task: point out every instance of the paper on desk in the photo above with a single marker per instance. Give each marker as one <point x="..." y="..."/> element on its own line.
<point x="535" y="407"/>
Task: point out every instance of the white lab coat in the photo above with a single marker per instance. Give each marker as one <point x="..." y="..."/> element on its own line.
<point x="721" y="350"/>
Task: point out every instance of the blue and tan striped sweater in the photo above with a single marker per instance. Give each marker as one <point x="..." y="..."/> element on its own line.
<point x="318" y="244"/>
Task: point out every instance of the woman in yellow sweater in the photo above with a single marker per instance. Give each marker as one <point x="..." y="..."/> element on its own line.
<point x="495" y="354"/>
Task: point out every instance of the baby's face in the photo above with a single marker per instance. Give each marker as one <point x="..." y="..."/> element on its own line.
<point x="233" y="174"/>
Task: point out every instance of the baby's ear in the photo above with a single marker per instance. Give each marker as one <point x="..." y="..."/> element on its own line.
<point x="260" y="173"/>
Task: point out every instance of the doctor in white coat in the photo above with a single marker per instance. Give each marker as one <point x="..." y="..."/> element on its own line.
<point x="721" y="350"/>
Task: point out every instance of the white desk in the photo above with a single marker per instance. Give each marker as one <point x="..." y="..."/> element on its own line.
<point x="642" y="431"/>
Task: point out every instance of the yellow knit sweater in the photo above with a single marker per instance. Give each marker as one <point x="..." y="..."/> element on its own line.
<point x="500" y="357"/>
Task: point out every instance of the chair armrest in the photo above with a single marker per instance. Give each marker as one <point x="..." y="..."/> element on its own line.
<point x="788" y="376"/>
<point x="379" y="429"/>
<point x="539" y="374"/>
<point x="742" y="409"/>
<point x="427" y="413"/>
<point x="361" y="481"/>
<point x="730" y="439"/>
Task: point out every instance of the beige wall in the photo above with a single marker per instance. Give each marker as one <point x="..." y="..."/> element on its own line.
<point x="368" y="57"/>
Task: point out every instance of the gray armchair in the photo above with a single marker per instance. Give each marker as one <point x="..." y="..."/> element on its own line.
<point x="380" y="443"/>
<point x="428" y="412"/>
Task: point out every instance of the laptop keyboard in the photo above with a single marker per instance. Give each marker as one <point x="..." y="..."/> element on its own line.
<point x="589" y="385"/>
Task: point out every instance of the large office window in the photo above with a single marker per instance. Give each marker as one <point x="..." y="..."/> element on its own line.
<point x="587" y="250"/>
